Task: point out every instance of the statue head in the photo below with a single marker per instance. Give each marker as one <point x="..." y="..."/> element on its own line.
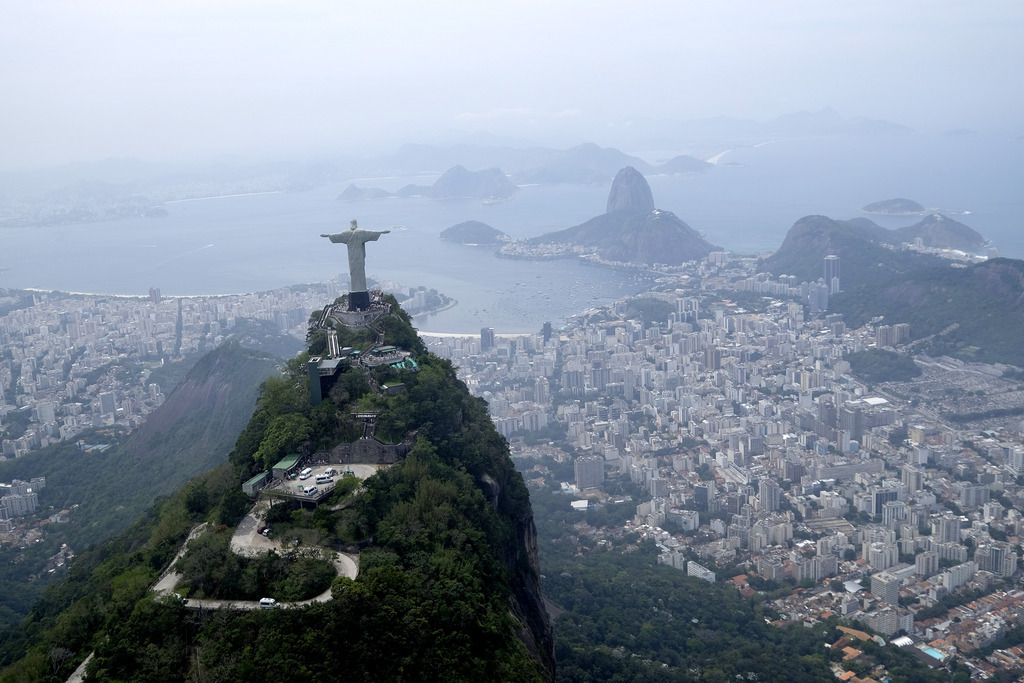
<point x="352" y="224"/>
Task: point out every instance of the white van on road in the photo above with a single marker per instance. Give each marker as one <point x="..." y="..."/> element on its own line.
<point x="306" y="473"/>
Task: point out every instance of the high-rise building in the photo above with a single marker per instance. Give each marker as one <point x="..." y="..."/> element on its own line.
<point x="913" y="478"/>
<point x="486" y="339"/>
<point x="589" y="470"/>
<point x="927" y="563"/>
<point x="893" y="512"/>
<point x="817" y="297"/>
<point x="107" y="402"/>
<point x="832" y="273"/>
<point x="946" y="528"/>
<point x="974" y="496"/>
<point x="886" y="587"/>
<point x="769" y="495"/>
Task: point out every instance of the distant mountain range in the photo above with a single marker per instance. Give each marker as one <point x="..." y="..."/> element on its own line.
<point x="632" y="230"/>
<point x="583" y="164"/>
<point x="456" y="183"/>
<point x="868" y="252"/>
<point x="974" y="312"/>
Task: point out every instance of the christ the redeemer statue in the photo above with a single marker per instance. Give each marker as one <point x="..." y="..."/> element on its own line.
<point x="356" y="239"/>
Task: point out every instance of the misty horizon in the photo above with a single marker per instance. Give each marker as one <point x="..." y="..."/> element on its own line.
<point x="189" y="82"/>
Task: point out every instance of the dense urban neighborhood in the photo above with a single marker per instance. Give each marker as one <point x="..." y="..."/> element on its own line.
<point x="725" y="415"/>
<point x="765" y="459"/>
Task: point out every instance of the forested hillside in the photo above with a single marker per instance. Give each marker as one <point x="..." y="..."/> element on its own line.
<point x="976" y="313"/>
<point x="107" y="490"/>
<point x="620" y="615"/>
<point x="448" y="587"/>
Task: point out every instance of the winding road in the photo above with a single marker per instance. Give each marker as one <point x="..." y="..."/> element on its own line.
<point x="246" y="542"/>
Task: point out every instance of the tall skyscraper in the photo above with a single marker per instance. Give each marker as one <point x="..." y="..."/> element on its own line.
<point x="486" y="339"/>
<point x="769" y="495"/>
<point x="107" y="403"/>
<point x="589" y="470"/>
<point x="832" y="273"/>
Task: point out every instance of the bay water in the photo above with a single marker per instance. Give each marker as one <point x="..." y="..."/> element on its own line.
<point x="745" y="204"/>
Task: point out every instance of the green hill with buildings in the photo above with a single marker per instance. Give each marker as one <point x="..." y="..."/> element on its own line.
<point x="974" y="313"/>
<point x="448" y="582"/>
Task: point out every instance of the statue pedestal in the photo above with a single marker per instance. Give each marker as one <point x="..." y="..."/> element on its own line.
<point x="358" y="301"/>
<point x="358" y="319"/>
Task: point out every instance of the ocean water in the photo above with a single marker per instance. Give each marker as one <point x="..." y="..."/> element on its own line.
<point x="746" y="204"/>
<point x="752" y="198"/>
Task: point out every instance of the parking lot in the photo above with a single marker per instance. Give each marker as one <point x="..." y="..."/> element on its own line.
<point x="295" y="485"/>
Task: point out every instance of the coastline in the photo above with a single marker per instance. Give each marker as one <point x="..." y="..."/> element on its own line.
<point x="469" y="335"/>
<point x="42" y="290"/>
<point x="222" y="196"/>
<point x="452" y="303"/>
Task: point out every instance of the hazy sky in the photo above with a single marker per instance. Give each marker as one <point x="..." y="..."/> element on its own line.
<point x="88" y="79"/>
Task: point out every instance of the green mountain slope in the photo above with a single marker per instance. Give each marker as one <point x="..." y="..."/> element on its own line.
<point x="190" y="433"/>
<point x="863" y="258"/>
<point x="940" y="232"/>
<point x="979" y="309"/>
<point x="448" y="587"/>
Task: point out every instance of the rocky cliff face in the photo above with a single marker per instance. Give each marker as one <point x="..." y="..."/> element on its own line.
<point x="632" y="231"/>
<point x="526" y="603"/>
<point x="631" y="192"/>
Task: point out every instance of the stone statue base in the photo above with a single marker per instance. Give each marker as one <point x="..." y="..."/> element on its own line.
<point x="357" y="319"/>
<point x="358" y="301"/>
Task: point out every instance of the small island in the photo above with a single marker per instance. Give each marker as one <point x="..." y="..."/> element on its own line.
<point x="474" y="233"/>
<point x="491" y="185"/>
<point x="894" y="207"/>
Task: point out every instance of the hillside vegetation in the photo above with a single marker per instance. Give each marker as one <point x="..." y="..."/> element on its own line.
<point x="976" y="312"/>
<point x="448" y="587"/>
<point x="864" y="259"/>
<point x="879" y="365"/>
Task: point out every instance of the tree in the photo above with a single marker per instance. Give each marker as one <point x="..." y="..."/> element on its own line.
<point x="197" y="500"/>
<point x="284" y="434"/>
